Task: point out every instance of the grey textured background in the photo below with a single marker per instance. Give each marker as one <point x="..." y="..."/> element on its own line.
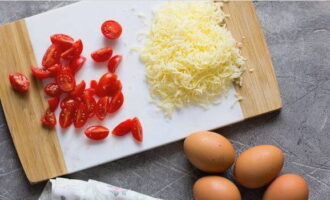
<point x="298" y="37"/>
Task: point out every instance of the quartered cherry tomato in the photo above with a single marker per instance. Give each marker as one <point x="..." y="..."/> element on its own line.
<point x="41" y="73"/>
<point x="102" y="107"/>
<point x="68" y="102"/>
<point x="107" y="84"/>
<point x="66" y="116"/>
<point x="116" y="102"/>
<point x="111" y="29"/>
<point x="62" y="40"/>
<point x="123" y="128"/>
<point x="66" y="80"/>
<point x="52" y="56"/>
<point x="77" y="63"/>
<point x="90" y="102"/>
<point x="93" y="84"/>
<point x="74" y="51"/>
<point x="102" y="55"/>
<point x="48" y="119"/>
<point x="52" y="90"/>
<point x="53" y="103"/>
<point x="81" y="115"/>
<point x="78" y="90"/>
<point x="97" y="132"/>
<point x="114" y="62"/>
<point x="19" y="82"/>
<point x="137" y="131"/>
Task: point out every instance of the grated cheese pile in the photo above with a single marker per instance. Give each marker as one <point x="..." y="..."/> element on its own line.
<point x="191" y="58"/>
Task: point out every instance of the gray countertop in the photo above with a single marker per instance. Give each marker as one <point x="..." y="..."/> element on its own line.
<point x="298" y="36"/>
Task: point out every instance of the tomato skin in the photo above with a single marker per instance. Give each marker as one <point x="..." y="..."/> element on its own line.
<point x="93" y="84"/>
<point x="137" y="131"/>
<point x="90" y="102"/>
<point x="107" y="84"/>
<point x="77" y="63"/>
<point x="66" y="80"/>
<point x="74" y="51"/>
<point x="19" y="82"/>
<point x="53" y="103"/>
<point x="48" y="119"/>
<point x="66" y="116"/>
<point x="102" y="107"/>
<point x="62" y="40"/>
<point x="81" y="115"/>
<point x="41" y="73"/>
<point x="52" y="56"/>
<point x="114" y="63"/>
<point x="111" y="29"/>
<point x="52" y="90"/>
<point x="102" y="55"/>
<point x="116" y="102"/>
<point x="123" y="128"/>
<point x="78" y="90"/>
<point x="97" y="132"/>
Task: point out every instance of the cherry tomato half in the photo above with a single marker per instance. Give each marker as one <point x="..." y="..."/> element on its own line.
<point x="102" y="107"/>
<point x="52" y="56"/>
<point x="107" y="84"/>
<point x="53" y="103"/>
<point x="48" y="119"/>
<point x="77" y="63"/>
<point x="74" y="51"/>
<point x="102" y="55"/>
<point x="116" y="102"/>
<point x="97" y="132"/>
<point x="89" y="100"/>
<point x="68" y="102"/>
<point x="111" y="29"/>
<point x="79" y="89"/>
<point x="137" y="131"/>
<point x="66" y="116"/>
<point x="19" y="82"/>
<point x="81" y="115"/>
<point x="52" y="90"/>
<point x="41" y="73"/>
<point x="123" y="128"/>
<point x="62" y="40"/>
<point x="114" y="62"/>
<point x="66" y="80"/>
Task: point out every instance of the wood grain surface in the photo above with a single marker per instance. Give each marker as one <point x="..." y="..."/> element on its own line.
<point x="260" y="90"/>
<point x="37" y="147"/>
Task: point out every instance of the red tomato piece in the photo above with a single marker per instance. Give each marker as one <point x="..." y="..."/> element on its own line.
<point x="137" y="131"/>
<point x="41" y="73"/>
<point x="97" y="132"/>
<point x="90" y="91"/>
<point x="102" y="107"/>
<point x="116" y="102"/>
<point x="90" y="102"/>
<point x="68" y="102"/>
<point x="66" y="116"/>
<point x="111" y="29"/>
<point x="93" y="84"/>
<point x="78" y="90"/>
<point x="66" y="80"/>
<point x="53" y="103"/>
<point x="123" y="128"/>
<point x="107" y="84"/>
<point x="114" y="62"/>
<point x="77" y="63"/>
<point x="48" y="119"/>
<point x="52" y="56"/>
<point x="62" y="40"/>
<point x="54" y="69"/>
<point x="19" y="82"/>
<point x="74" y="51"/>
<point x="102" y="55"/>
<point x="52" y="90"/>
<point x="81" y="115"/>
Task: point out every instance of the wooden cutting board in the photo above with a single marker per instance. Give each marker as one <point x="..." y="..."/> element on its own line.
<point x="46" y="153"/>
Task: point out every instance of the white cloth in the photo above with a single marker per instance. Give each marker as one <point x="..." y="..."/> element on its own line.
<point x="70" y="189"/>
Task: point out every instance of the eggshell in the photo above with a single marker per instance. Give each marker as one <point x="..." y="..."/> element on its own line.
<point x="215" y="188"/>
<point x="209" y="152"/>
<point x="287" y="187"/>
<point x="258" y="165"/>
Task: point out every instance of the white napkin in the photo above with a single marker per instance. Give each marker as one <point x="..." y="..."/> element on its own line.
<point x="70" y="189"/>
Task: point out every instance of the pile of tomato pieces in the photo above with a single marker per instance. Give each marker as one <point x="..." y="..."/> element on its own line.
<point x="77" y="101"/>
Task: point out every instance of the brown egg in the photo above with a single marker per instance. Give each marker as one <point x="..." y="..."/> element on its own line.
<point x="258" y="165"/>
<point x="215" y="188"/>
<point x="287" y="187"/>
<point x="209" y="152"/>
